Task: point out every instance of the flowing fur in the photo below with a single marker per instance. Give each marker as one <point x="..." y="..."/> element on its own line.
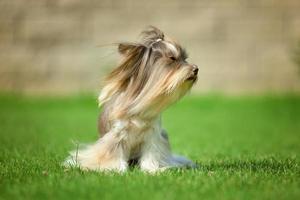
<point x="152" y="75"/>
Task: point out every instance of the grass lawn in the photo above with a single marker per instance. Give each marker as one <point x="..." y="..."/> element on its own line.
<point x="247" y="148"/>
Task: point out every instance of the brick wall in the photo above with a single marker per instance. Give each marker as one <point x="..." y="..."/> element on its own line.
<point x="61" y="46"/>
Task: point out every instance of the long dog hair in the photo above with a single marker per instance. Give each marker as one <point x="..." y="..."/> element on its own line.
<point x="152" y="75"/>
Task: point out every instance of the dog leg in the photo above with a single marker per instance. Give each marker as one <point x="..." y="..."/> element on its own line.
<point x="155" y="153"/>
<point x="107" y="154"/>
<point x="157" y="156"/>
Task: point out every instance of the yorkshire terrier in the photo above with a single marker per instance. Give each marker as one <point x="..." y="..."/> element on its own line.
<point x="152" y="75"/>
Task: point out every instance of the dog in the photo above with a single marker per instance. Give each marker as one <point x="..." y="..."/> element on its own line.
<point x="152" y="75"/>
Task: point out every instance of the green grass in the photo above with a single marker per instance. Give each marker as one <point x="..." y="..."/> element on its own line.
<point x="247" y="148"/>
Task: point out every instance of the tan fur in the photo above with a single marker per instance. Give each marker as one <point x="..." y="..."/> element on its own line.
<point x="152" y="75"/>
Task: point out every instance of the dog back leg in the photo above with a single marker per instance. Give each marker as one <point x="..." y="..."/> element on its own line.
<point x="108" y="153"/>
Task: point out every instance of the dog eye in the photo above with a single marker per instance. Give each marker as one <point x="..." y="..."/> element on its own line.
<point x="172" y="58"/>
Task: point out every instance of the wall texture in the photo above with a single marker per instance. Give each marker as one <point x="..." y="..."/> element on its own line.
<point x="62" y="46"/>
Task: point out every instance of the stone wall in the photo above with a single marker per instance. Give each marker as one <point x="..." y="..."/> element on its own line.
<point x="63" y="46"/>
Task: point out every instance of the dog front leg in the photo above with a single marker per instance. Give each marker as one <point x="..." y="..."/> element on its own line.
<point x="155" y="154"/>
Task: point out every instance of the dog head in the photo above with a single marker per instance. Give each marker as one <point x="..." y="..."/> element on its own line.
<point x="153" y="74"/>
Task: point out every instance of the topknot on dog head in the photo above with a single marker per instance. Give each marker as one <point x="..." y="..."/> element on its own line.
<point x="149" y="36"/>
<point x="152" y="35"/>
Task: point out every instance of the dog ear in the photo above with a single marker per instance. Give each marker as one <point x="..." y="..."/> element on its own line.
<point x="119" y="79"/>
<point x="126" y="48"/>
<point x="129" y="67"/>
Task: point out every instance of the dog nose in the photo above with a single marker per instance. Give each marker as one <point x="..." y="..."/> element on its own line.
<point x="195" y="69"/>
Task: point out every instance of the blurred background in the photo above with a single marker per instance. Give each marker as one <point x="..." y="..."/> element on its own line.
<point x="241" y="124"/>
<point x="61" y="46"/>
